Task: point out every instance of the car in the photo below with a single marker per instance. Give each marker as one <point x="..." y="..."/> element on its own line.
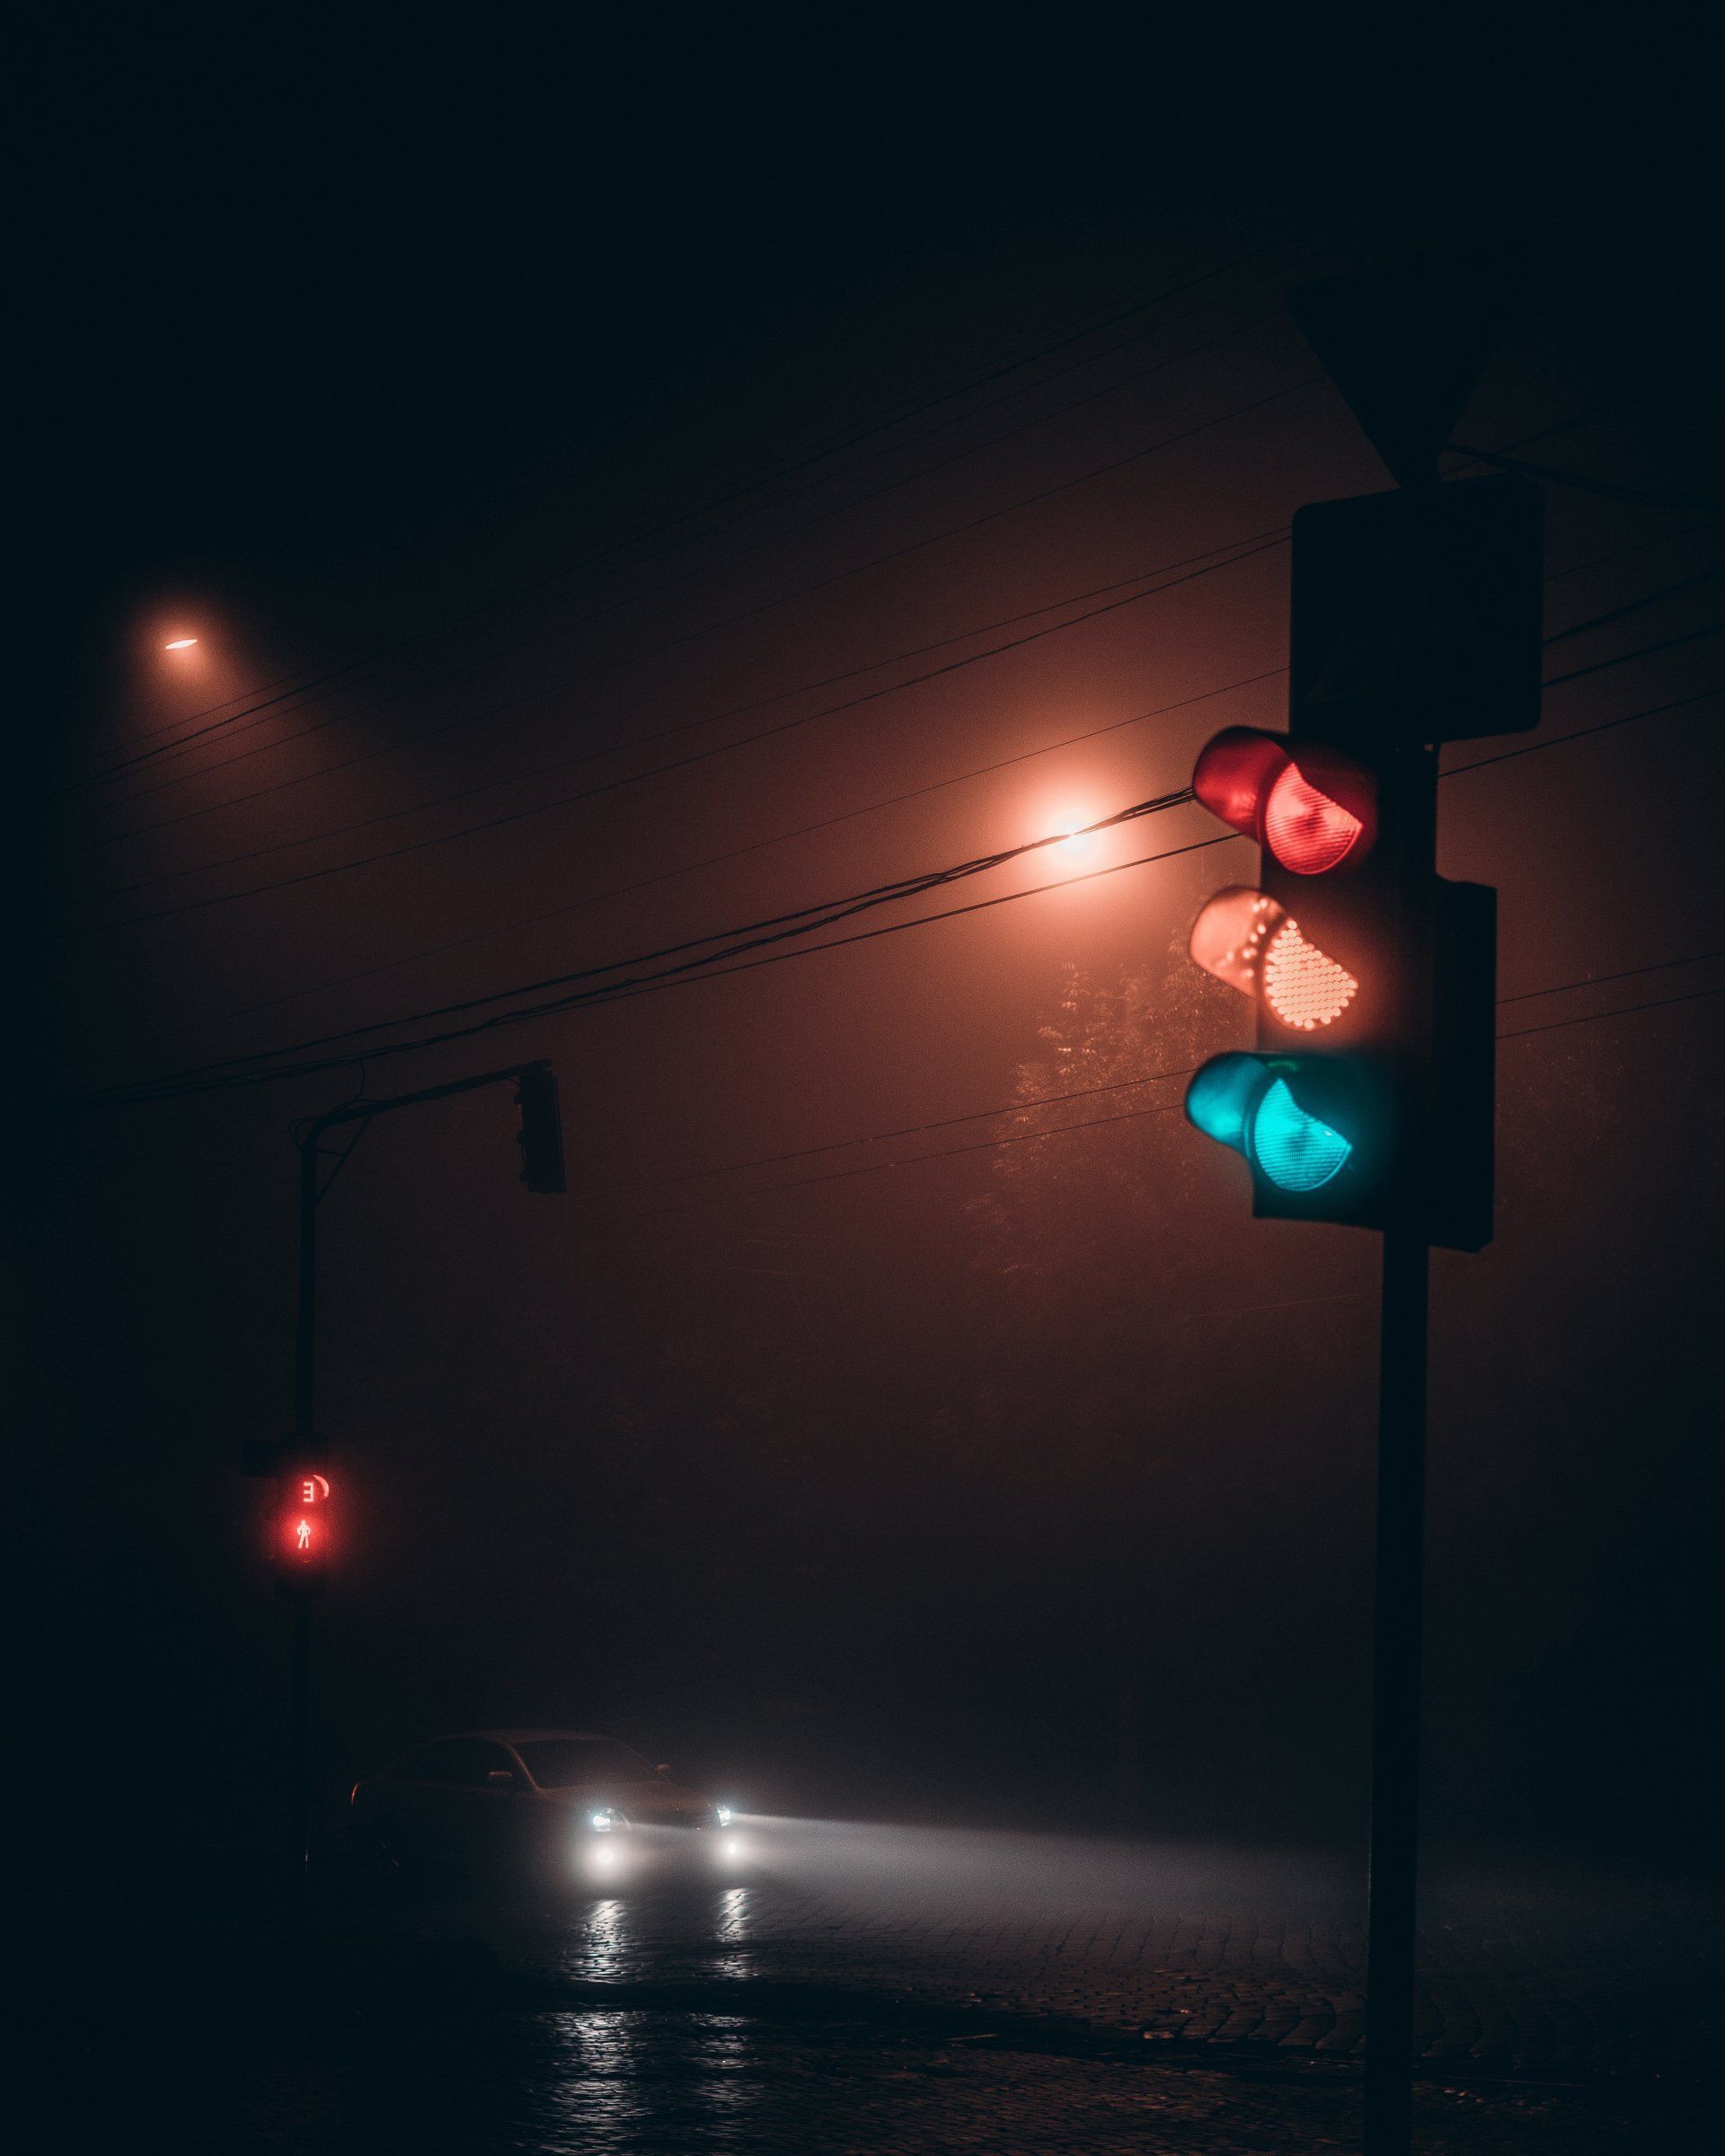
<point x="569" y="1804"/>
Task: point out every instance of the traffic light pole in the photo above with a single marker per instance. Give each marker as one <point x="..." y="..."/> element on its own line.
<point x="1397" y="1614"/>
<point x="1416" y="619"/>
<point x="1398" y="1594"/>
<point x="312" y="1188"/>
<point x="300" y="1686"/>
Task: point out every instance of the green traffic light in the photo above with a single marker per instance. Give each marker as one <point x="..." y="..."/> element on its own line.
<point x="1248" y="1104"/>
<point x="1296" y="1151"/>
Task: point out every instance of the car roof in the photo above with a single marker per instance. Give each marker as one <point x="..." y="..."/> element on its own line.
<point x="534" y="1736"/>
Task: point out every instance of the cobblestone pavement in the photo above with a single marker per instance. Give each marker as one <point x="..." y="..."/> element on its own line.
<point x="471" y="2080"/>
<point x="1178" y="1947"/>
<point x="890" y="1990"/>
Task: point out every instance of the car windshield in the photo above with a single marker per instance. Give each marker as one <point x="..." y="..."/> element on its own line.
<point x="571" y="1763"/>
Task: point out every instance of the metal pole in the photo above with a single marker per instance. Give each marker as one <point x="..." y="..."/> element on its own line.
<point x="300" y="1706"/>
<point x="305" y="1316"/>
<point x="311" y="1158"/>
<point x="1397" y="1612"/>
<point x="1398" y="1595"/>
<point x="300" y="1825"/>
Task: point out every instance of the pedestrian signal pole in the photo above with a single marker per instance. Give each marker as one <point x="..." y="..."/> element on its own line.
<point x="303" y="1529"/>
<point x="1368" y="1099"/>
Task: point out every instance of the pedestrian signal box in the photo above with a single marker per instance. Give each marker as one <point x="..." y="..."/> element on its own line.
<point x="301" y="1534"/>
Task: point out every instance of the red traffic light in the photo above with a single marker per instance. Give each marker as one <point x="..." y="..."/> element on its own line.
<point x="1313" y="808"/>
<point x="302" y="1523"/>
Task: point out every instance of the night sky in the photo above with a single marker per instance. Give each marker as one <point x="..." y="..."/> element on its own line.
<point x="598" y="489"/>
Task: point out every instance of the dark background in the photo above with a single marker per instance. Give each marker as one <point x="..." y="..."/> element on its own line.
<point x="1033" y="1479"/>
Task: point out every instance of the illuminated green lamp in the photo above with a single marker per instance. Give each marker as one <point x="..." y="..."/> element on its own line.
<point x="1264" y="1107"/>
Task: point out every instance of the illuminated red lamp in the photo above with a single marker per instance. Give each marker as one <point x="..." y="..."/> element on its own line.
<point x="302" y="1536"/>
<point x="1313" y="808"/>
<point x="1244" y="938"/>
<point x="302" y="1529"/>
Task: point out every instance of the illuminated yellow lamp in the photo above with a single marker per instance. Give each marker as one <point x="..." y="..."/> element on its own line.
<point x="179" y="643"/>
<point x="1244" y="938"/>
<point x="1229" y="936"/>
<point x="1303" y="987"/>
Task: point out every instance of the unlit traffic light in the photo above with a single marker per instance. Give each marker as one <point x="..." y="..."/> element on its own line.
<point x="541" y="1135"/>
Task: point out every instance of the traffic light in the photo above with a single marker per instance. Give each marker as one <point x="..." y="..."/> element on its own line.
<point x="541" y="1135"/>
<point x="301" y="1524"/>
<point x="1369" y="1097"/>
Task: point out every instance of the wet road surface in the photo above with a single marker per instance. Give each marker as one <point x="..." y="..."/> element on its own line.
<point x="878" y="1989"/>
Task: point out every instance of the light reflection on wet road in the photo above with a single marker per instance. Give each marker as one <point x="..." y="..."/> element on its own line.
<point x="894" y="1989"/>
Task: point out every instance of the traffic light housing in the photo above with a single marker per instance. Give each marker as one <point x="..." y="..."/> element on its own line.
<point x="541" y="1135"/>
<point x="1368" y="1099"/>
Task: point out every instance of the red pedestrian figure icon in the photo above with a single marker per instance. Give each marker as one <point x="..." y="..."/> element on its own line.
<point x="302" y="1534"/>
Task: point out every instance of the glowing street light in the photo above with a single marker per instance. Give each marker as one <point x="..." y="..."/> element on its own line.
<point x="1075" y="841"/>
<point x="179" y="643"/>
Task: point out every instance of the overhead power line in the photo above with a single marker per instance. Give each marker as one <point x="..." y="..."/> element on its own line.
<point x="244" y="1069"/>
<point x="1266" y="542"/>
<point x="1160" y="1108"/>
<point x="462" y="720"/>
<point x="720" y="965"/>
<point x="518" y="588"/>
<point x="890" y="802"/>
<point x="912" y="793"/>
<point x="1232" y="548"/>
<point x="755" y="611"/>
<point x="1657" y="497"/>
<point x="702" y="755"/>
<point x="730" y="957"/>
<point x="915" y="1130"/>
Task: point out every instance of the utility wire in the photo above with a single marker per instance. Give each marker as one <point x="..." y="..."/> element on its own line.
<point x="1580" y="733"/>
<point x="894" y="801"/>
<point x="1600" y="666"/>
<point x="718" y="965"/>
<point x="1231" y="547"/>
<point x="1650" y="497"/>
<point x="756" y="610"/>
<point x="902" y="890"/>
<point x="693" y="572"/>
<point x="462" y="720"/>
<point x="1556" y="427"/>
<point x="517" y="588"/>
<point x="1160" y="1108"/>
<point x="913" y="1130"/>
<point x="291" y="687"/>
<point x="1266" y="542"/>
<point x="747" y="935"/>
<point x="1252" y="542"/>
<point x="1236" y="550"/>
<point x="1600" y="980"/>
<point x="1617" y="613"/>
<point x="724" y="748"/>
<point x="1557" y="1025"/>
<point x="225" y="1077"/>
<point x="777" y="838"/>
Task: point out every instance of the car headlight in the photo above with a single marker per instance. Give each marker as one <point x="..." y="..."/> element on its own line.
<point x="722" y="1813"/>
<point x="603" y="1820"/>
